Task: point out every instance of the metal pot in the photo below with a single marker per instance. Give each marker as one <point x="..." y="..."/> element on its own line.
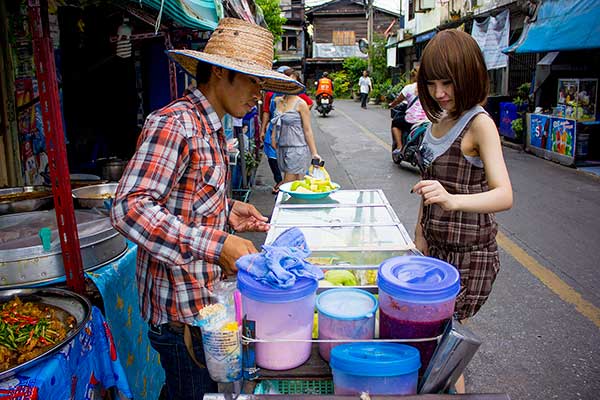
<point x="113" y="169"/>
<point x="95" y="196"/>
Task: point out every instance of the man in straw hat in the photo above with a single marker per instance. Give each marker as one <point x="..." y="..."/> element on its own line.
<point x="172" y="201"/>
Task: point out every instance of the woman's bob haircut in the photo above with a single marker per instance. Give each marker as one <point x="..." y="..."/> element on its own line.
<point x="453" y="55"/>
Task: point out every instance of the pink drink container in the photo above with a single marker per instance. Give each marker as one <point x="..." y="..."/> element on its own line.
<point x="280" y="314"/>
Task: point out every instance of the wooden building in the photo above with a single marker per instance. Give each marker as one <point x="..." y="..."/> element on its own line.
<point x="337" y="26"/>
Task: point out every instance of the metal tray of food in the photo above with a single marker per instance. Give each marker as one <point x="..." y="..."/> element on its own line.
<point x="25" y="198"/>
<point x="64" y="303"/>
<point x="95" y="196"/>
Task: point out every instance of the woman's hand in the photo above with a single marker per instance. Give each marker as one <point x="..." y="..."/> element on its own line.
<point x="434" y="193"/>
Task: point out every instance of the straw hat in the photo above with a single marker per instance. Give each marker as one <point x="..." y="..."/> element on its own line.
<point x="239" y="46"/>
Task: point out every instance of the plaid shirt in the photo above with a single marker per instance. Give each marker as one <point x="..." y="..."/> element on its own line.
<point x="172" y="202"/>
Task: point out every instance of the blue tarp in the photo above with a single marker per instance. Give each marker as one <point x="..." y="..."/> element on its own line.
<point x="195" y="14"/>
<point x="561" y="25"/>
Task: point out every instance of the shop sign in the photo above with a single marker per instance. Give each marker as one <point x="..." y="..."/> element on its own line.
<point x="553" y="134"/>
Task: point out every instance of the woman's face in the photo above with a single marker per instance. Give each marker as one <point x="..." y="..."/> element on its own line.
<point x="442" y="91"/>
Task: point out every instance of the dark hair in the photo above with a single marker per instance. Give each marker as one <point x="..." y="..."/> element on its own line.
<point x="292" y="74"/>
<point x="204" y="71"/>
<point x="453" y="55"/>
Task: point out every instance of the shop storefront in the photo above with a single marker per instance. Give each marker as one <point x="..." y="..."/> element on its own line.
<point x="565" y="126"/>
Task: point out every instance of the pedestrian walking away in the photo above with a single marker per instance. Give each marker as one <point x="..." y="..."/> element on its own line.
<point x="292" y="136"/>
<point x="365" y="84"/>
<point x="465" y="179"/>
<point x="172" y="201"/>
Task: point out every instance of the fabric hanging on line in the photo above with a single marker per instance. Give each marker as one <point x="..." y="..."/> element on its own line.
<point x="492" y="36"/>
<point x="280" y="263"/>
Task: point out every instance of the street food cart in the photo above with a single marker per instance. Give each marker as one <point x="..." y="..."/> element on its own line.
<point x="349" y="229"/>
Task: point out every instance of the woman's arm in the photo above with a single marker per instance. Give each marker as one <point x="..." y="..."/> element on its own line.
<point x="306" y="125"/>
<point x="420" y="241"/>
<point x="498" y="198"/>
<point x="399" y="99"/>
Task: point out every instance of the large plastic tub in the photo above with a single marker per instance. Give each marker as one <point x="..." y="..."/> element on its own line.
<point x="345" y="314"/>
<point x="375" y="368"/>
<point x="280" y="314"/>
<point x="416" y="300"/>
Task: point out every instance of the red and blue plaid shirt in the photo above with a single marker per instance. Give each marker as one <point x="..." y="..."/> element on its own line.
<point x="172" y="202"/>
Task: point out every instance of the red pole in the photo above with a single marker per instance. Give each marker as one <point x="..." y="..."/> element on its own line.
<point x="55" y="146"/>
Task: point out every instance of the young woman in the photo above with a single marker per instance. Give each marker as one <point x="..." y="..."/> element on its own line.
<point x="292" y="135"/>
<point x="465" y="179"/>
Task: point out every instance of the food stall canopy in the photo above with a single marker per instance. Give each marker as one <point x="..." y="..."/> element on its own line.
<point x="561" y="25"/>
<point x="194" y="14"/>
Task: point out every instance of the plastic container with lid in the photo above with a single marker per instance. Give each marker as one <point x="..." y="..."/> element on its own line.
<point x="345" y="314"/>
<point x="375" y="368"/>
<point x="416" y="300"/>
<point x="280" y="314"/>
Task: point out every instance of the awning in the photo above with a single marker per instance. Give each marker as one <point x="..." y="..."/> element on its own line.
<point x="195" y="14"/>
<point x="561" y="25"/>
<point x="425" y="36"/>
<point x="405" y="43"/>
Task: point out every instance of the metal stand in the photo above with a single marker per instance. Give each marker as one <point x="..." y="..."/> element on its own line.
<point x="55" y="144"/>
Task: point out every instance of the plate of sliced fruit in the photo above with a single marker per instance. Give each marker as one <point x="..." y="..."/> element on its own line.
<point x="309" y="188"/>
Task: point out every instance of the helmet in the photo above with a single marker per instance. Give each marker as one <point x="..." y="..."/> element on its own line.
<point x="325" y="74"/>
<point x="282" y="69"/>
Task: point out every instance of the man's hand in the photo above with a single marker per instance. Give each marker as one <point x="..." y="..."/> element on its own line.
<point x="234" y="247"/>
<point x="245" y="217"/>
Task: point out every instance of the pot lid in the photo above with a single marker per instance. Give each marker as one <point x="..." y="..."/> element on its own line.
<point x="20" y="233"/>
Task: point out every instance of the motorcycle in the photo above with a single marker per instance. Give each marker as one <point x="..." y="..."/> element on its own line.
<point x="324" y="104"/>
<point x="410" y="151"/>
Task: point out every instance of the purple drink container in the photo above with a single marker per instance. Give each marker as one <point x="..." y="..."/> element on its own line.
<point x="416" y="300"/>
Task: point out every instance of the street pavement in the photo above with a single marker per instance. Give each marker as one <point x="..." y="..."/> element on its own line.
<point x="541" y="326"/>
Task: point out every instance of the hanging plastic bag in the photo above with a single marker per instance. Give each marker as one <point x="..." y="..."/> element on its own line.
<point x="221" y="335"/>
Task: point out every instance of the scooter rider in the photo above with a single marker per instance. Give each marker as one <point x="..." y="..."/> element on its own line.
<point x="324" y="87"/>
<point x="413" y="113"/>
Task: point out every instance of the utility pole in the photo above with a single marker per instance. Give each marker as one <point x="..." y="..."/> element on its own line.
<point x="370" y="33"/>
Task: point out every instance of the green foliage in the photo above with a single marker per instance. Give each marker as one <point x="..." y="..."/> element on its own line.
<point x="354" y="67"/>
<point x="273" y="18"/>
<point x="517" y="127"/>
<point x="341" y="84"/>
<point x="379" y="59"/>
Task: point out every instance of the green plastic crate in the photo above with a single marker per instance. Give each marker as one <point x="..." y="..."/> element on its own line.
<point x="275" y="386"/>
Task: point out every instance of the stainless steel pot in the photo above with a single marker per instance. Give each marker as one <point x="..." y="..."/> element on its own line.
<point x="23" y="199"/>
<point x="95" y="196"/>
<point x="113" y="169"/>
<point x="69" y="302"/>
<point x="23" y="260"/>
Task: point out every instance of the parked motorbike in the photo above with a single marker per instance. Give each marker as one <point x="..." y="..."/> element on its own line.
<point x="324" y="104"/>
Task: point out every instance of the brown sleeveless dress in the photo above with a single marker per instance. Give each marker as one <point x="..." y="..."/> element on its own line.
<point x="464" y="239"/>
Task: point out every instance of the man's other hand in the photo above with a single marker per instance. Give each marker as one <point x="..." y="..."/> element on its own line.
<point x="234" y="247"/>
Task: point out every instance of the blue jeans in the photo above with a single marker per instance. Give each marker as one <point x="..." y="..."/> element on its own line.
<point x="184" y="379"/>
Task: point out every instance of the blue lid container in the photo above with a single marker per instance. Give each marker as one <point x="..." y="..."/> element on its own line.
<point x="418" y="279"/>
<point x="347" y="304"/>
<point x="258" y="291"/>
<point x="375" y="359"/>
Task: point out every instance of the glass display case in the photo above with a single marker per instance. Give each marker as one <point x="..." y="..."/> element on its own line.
<point x="576" y="99"/>
<point x="350" y="229"/>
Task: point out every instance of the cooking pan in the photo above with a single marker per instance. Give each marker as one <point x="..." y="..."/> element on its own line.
<point x="68" y="302"/>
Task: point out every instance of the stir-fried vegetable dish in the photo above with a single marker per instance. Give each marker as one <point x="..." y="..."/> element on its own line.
<point x="29" y="329"/>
